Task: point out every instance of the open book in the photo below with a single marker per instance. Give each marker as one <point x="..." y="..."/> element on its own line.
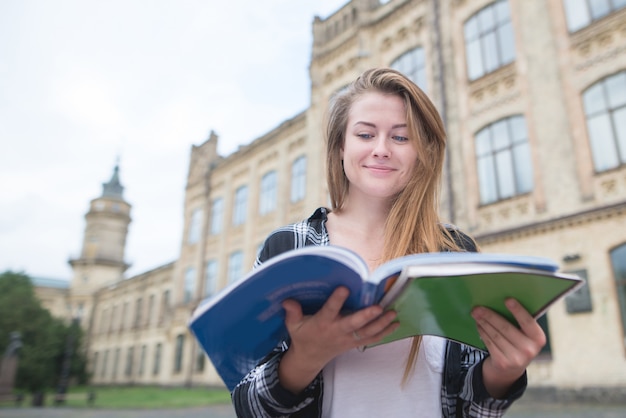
<point x="433" y="294"/>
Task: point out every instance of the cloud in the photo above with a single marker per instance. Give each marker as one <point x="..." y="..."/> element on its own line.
<point x="86" y="82"/>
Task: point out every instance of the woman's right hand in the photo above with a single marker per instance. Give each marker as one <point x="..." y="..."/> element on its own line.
<point x="317" y="339"/>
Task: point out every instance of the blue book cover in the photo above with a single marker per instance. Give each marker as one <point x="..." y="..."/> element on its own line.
<point x="243" y="323"/>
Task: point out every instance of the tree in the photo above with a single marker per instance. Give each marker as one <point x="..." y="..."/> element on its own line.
<point x="43" y="336"/>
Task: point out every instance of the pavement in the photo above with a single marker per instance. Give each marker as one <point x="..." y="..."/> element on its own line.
<point x="519" y="410"/>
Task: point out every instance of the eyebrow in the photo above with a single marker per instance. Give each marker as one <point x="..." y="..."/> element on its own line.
<point x="400" y="125"/>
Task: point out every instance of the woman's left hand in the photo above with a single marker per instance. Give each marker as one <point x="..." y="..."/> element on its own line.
<point x="511" y="349"/>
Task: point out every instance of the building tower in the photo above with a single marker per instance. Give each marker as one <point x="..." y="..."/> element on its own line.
<point x="101" y="262"/>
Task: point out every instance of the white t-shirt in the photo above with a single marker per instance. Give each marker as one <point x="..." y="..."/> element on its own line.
<point x="369" y="383"/>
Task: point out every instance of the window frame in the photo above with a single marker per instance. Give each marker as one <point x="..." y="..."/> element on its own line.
<point x="298" y="179"/>
<point x="602" y="147"/>
<point x="268" y="192"/>
<point x="415" y="70"/>
<point x="482" y="40"/>
<point x="240" y="205"/>
<point x="517" y="148"/>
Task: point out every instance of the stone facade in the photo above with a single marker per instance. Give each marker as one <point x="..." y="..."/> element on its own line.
<point x="563" y="202"/>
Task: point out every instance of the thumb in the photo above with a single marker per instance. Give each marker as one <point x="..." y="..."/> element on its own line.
<point x="293" y="313"/>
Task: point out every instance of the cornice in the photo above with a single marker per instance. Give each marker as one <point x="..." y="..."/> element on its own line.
<point x="543" y="227"/>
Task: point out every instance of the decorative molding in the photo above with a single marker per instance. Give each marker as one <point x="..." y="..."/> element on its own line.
<point x="543" y="227"/>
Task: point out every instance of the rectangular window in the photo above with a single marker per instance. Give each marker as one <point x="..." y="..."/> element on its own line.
<point x="178" y="357"/>
<point x="241" y="204"/>
<point x="200" y="361"/>
<point x="142" y="360"/>
<point x="129" y="361"/>
<point x="156" y="368"/>
<point x="138" y="312"/>
<point x="210" y="281"/>
<point x="267" y="195"/>
<point x="94" y="366"/>
<point x="195" y="226"/>
<point x="113" y="321"/>
<point x="105" y="359"/>
<point x="116" y="359"/>
<point x="103" y="321"/>
<point x="190" y="285"/>
<point x="165" y="306"/>
<point x="235" y="266"/>
<point x="124" y="317"/>
<point x="217" y="216"/>
<point x="580" y="300"/>
<point x="298" y="179"/>
<point x="150" y="311"/>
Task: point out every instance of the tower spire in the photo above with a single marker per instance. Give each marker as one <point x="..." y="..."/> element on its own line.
<point x="114" y="188"/>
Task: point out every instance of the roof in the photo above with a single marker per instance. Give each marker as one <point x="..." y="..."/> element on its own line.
<point x="50" y="282"/>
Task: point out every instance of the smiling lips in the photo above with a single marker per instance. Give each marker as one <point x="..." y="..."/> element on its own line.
<point x="379" y="169"/>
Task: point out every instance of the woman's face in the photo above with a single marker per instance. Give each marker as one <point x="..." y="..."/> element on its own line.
<point x="378" y="155"/>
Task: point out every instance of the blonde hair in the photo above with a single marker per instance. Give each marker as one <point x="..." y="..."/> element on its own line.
<point x="413" y="224"/>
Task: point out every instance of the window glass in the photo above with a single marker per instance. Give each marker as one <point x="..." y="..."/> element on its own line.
<point x="581" y="13"/>
<point x="217" y="215"/>
<point x="599" y="8"/>
<point x="195" y="225"/>
<point x="616" y="90"/>
<point x="605" y="108"/>
<point x="241" y="203"/>
<point x="267" y="195"/>
<point x="298" y="179"/>
<point x="412" y="64"/>
<point x="178" y="355"/>
<point x="190" y="284"/>
<point x="210" y="285"/>
<point x="235" y="266"/>
<point x="489" y="40"/>
<point x="503" y="160"/>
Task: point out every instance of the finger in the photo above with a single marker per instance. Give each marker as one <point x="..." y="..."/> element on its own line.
<point x="381" y="327"/>
<point x="293" y="313"/>
<point x="497" y="333"/>
<point x="333" y="305"/>
<point x="527" y="323"/>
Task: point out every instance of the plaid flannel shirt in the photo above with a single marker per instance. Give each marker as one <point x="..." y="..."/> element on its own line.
<point x="463" y="394"/>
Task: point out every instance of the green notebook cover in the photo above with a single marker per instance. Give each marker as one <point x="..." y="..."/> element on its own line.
<point x="442" y="306"/>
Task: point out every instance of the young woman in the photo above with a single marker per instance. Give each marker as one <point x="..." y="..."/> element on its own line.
<point x="385" y="151"/>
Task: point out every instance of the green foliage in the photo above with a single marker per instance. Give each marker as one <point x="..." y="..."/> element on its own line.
<point x="43" y="337"/>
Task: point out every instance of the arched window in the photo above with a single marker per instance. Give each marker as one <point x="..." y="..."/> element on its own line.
<point x="503" y="160"/>
<point x="235" y="266"/>
<point x="489" y="42"/>
<point x="267" y="195"/>
<point x="241" y="205"/>
<point x="413" y="65"/>
<point x="298" y="179"/>
<point x="605" y="109"/>
<point x="581" y="13"/>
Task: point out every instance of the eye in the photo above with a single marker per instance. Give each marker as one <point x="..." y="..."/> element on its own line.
<point x="365" y="136"/>
<point x="399" y="138"/>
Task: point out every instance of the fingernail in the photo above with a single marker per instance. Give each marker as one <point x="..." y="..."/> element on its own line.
<point x="510" y="303"/>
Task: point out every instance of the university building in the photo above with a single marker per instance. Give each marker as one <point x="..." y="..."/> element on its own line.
<point x="533" y="95"/>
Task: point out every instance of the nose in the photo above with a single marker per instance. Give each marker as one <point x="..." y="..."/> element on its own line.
<point x="381" y="148"/>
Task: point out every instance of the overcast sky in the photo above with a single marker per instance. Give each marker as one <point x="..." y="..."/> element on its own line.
<point x="85" y="81"/>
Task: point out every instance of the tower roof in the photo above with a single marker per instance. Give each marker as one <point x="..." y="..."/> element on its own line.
<point x="113" y="188"/>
